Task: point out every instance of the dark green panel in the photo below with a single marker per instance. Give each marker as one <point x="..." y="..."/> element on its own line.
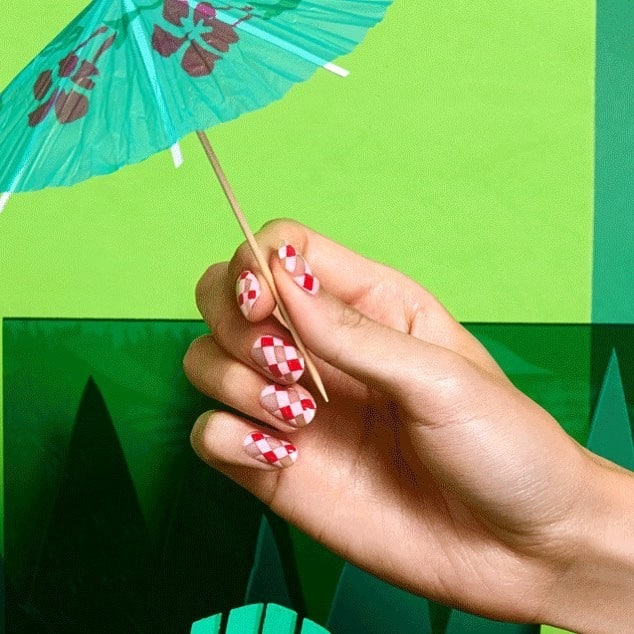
<point x="200" y="528"/>
<point x="550" y="363"/>
<point x="613" y="269"/>
<point x="113" y="473"/>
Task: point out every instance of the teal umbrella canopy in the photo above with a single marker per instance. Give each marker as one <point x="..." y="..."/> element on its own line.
<point x="129" y="78"/>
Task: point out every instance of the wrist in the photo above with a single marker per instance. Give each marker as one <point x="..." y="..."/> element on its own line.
<point x="595" y="589"/>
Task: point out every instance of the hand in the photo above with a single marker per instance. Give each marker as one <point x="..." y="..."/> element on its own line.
<point x="427" y="468"/>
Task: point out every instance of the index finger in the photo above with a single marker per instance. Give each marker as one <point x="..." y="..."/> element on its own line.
<point x="347" y="275"/>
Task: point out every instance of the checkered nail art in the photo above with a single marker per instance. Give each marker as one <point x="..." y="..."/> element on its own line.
<point x="281" y="361"/>
<point x="295" y="264"/>
<point x="247" y="290"/>
<point x="293" y="405"/>
<point x="269" y="450"/>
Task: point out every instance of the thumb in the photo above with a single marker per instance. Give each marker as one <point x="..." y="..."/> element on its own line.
<point x="392" y="361"/>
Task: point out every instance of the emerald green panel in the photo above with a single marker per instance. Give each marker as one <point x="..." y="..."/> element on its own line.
<point x="613" y="274"/>
<point x="310" y="627"/>
<point x="209" y="625"/>
<point x="279" y="620"/>
<point x="245" y="620"/>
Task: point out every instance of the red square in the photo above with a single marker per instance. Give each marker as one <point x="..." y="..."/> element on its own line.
<point x="286" y="412"/>
<point x="269" y="456"/>
<point x="294" y="365"/>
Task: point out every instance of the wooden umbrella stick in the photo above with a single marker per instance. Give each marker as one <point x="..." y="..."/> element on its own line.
<point x="261" y="260"/>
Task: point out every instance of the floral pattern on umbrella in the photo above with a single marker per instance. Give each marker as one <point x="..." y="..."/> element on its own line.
<point x="73" y="104"/>
<point x="128" y="78"/>
<point x="203" y="31"/>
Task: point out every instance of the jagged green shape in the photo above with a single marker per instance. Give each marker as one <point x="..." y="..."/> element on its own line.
<point x="94" y="564"/>
<point x="364" y="604"/>
<point x="267" y="582"/>
<point x="611" y="431"/>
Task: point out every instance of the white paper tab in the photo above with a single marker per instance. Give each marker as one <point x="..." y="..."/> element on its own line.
<point x="4" y="199"/>
<point x="177" y="155"/>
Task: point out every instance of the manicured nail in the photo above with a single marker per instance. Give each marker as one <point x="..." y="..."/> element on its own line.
<point x="281" y="361"/>
<point x="269" y="450"/>
<point x="295" y="264"/>
<point x="247" y="290"/>
<point x="294" y="405"/>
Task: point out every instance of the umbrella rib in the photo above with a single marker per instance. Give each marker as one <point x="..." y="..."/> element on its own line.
<point x="150" y="69"/>
<point x="259" y="256"/>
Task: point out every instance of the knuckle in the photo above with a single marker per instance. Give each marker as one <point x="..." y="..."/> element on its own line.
<point x="280" y="226"/>
<point x="350" y="318"/>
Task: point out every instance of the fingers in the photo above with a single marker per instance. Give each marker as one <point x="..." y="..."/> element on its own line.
<point x="249" y="455"/>
<point x="348" y="275"/>
<point x="212" y="371"/>
<point x="371" y="352"/>
<point x="377" y="291"/>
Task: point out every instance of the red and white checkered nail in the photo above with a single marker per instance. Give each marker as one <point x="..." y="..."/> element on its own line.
<point x="293" y="405"/>
<point x="295" y="264"/>
<point x="280" y="360"/>
<point x="247" y="291"/>
<point x="269" y="450"/>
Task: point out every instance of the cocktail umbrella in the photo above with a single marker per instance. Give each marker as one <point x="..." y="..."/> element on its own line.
<point x="129" y="78"/>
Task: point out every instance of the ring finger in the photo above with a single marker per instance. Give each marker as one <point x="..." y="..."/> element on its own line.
<point x="215" y="373"/>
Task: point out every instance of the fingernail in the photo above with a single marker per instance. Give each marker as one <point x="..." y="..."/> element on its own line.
<point x="281" y="361"/>
<point x="269" y="450"/>
<point x="295" y="264"/>
<point x="293" y="405"/>
<point x="247" y="290"/>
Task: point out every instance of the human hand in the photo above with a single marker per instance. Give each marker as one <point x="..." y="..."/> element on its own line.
<point x="428" y="468"/>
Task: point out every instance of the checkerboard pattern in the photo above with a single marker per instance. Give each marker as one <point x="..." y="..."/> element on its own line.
<point x="281" y="361"/>
<point x="295" y="264"/>
<point x="293" y="405"/>
<point x="247" y="290"/>
<point x="269" y="450"/>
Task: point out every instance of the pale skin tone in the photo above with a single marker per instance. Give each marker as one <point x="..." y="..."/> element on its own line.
<point x="427" y="468"/>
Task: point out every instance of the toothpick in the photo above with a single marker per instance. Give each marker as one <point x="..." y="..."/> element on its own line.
<point x="261" y="260"/>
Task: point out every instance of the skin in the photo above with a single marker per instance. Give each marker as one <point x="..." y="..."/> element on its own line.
<point x="427" y="468"/>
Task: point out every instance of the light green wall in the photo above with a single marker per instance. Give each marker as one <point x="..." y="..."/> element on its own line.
<point x="459" y="150"/>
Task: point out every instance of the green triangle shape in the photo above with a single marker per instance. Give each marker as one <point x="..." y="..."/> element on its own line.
<point x="92" y="574"/>
<point x="364" y="604"/>
<point x="267" y="582"/>
<point x="611" y="431"/>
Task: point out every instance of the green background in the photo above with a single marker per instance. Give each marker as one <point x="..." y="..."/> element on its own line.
<point x="460" y="150"/>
